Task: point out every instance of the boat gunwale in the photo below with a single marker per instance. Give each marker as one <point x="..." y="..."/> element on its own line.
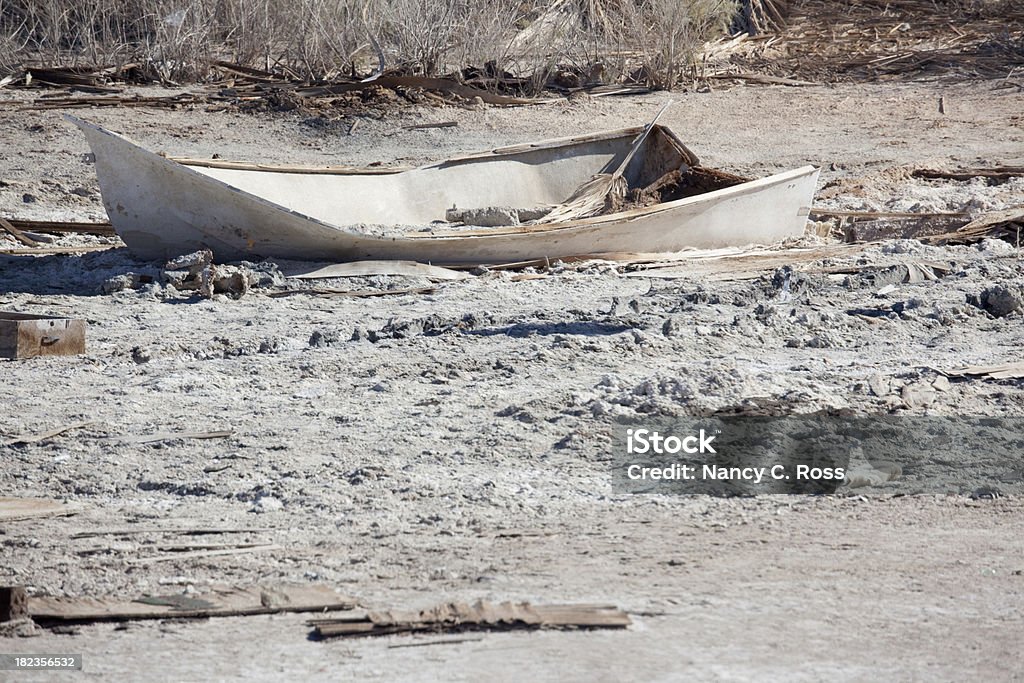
<point x="628" y="215"/>
<point x="498" y="152"/>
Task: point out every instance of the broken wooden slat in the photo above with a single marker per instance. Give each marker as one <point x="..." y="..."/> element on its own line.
<point x="454" y="617"/>
<point x="158" y="530"/>
<point x="18" y="509"/>
<point x="64" y="227"/>
<point x="17" y="234"/>
<point x="171" y="436"/>
<point x="1004" y="223"/>
<point x="50" y="251"/>
<point x="819" y="211"/>
<point x="426" y="126"/>
<point x="226" y="603"/>
<point x="36" y="438"/>
<point x="1013" y="370"/>
<point x="354" y="293"/>
<point x="239" y="550"/>
<point x="23" y="335"/>
<point x="365" y="268"/>
<point x="997" y="173"/>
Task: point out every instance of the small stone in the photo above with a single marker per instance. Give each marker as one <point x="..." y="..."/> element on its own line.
<point x="1000" y="300"/>
<point x="28" y="198"/>
<point x="265" y="504"/>
<point x="141" y="355"/>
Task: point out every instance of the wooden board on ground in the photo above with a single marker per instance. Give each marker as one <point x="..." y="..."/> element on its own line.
<point x="460" y="616"/>
<point x="365" y="268"/>
<point x="1012" y="370"/>
<point x="229" y="602"/>
<point x="23" y="335"/>
<point x="17" y="509"/>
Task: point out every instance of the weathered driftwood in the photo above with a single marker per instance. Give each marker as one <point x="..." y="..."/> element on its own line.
<point x="480" y="616"/>
<point x="224" y="603"/>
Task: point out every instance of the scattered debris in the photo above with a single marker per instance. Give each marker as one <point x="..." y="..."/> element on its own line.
<point x="222" y="603"/>
<point x="198" y="272"/>
<point x="603" y="190"/>
<point x="494" y="216"/>
<point x="23" y="335"/>
<point x="828" y="41"/>
<point x="1006" y="224"/>
<point x="1013" y="370"/>
<point x="480" y="616"/>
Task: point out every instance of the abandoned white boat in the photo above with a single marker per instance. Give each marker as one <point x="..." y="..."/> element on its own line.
<point x="163" y="208"/>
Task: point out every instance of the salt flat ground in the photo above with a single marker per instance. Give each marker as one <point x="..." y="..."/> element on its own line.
<point x="462" y="454"/>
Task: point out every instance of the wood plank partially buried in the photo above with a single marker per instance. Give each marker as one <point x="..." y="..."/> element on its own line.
<point x="17" y="509"/>
<point x="228" y="602"/>
<point x="486" y="616"/>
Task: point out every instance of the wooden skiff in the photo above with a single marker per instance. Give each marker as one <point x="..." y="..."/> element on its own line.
<point x="163" y="208"/>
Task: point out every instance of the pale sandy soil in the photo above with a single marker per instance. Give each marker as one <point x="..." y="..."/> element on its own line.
<point x="469" y="464"/>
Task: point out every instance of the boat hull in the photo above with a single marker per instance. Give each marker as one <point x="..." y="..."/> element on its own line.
<point x="162" y="208"/>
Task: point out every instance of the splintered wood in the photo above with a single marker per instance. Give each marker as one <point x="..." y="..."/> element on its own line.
<point x="480" y="616"/>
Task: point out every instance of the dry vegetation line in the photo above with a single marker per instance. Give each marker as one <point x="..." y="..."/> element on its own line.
<point x="653" y="40"/>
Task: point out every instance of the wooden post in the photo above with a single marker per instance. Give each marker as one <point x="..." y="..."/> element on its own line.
<point x="13" y="603"/>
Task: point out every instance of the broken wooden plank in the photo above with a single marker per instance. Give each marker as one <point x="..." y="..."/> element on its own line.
<point x="203" y="553"/>
<point x="50" y="251"/>
<point x="996" y="224"/>
<point x="171" y="436"/>
<point x="24" y="335"/>
<point x="1002" y="173"/>
<point x="222" y="603"/>
<point x="127" y="531"/>
<point x="43" y="436"/>
<point x="17" y="234"/>
<point x="19" y="509"/>
<point x="365" y="268"/>
<point x="353" y="293"/>
<point x="1012" y="370"/>
<point x="426" y="126"/>
<point x="819" y="211"/>
<point x="763" y="79"/>
<point x="64" y="227"/>
<point x="457" y="616"/>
